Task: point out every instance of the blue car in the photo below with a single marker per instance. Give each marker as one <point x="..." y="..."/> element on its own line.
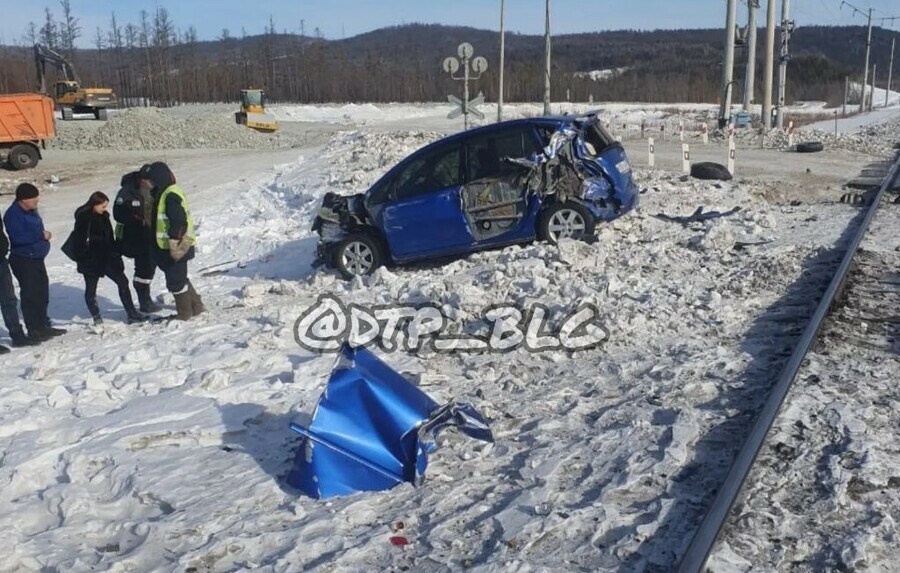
<point x="512" y="182"/>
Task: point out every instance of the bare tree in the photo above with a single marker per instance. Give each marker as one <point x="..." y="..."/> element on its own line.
<point x="49" y="33"/>
<point x="69" y="30"/>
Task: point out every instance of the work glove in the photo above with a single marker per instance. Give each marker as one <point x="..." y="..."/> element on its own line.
<point x="178" y="248"/>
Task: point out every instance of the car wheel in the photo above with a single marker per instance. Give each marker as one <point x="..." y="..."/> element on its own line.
<point x="810" y="147"/>
<point x="23" y="157"/>
<point x="710" y="171"/>
<point x="357" y="255"/>
<point x="68" y="113"/>
<point x="567" y="220"/>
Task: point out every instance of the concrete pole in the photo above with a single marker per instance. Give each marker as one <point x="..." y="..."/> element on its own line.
<point x="846" y="95"/>
<point x="728" y="69"/>
<point x="770" y="65"/>
<point x="547" y="70"/>
<point x="750" y="76"/>
<point x="887" y="93"/>
<point x="502" y="62"/>
<point x="872" y="97"/>
<point x="783" y="60"/>
<point x="862" y="101"/>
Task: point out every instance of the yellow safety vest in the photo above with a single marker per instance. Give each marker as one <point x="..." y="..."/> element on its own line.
<point x="162" y="220"/>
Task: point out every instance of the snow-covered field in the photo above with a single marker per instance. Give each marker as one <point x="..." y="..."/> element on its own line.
<point x="161" y="447"/>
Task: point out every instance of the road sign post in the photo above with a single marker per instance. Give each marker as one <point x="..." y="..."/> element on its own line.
<point x="469" y="64"/>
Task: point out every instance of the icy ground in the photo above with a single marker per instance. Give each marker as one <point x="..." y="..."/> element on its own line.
<point x="161" y="447"/>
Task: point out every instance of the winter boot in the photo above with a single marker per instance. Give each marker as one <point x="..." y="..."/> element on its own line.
<point x="128" y="304"/>
<point x="196" y="302"/>
<point x="145" y="301"/>
<point x="98" y="320"/>
<point x="4" y="349"/>
<point x="19" y="339"/>
<point x="184" y="306"/>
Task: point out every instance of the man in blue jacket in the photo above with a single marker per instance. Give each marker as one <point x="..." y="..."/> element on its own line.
<point x="29" y="245"/>
<point x="9" y="304"/>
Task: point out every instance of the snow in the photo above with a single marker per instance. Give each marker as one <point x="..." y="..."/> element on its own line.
<point x="160" y="447"/>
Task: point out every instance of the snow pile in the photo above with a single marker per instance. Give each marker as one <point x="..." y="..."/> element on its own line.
<point x="153" y="128"/>
<point x="601" y="75"/>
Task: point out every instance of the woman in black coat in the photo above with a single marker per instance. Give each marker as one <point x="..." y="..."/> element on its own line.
<point x="97" y="257"/>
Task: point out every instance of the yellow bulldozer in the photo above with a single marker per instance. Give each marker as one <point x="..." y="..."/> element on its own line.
<point x="253" y="112"/>
<point x="69" y="96"/>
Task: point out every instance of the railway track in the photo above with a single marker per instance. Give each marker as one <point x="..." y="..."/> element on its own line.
<point x="802" y="457"/>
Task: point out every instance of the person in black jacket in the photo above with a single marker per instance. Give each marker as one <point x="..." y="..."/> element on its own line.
<point x="9" y="304"/>
<point x="97" y="257"/>
<point x="133" y="212"/>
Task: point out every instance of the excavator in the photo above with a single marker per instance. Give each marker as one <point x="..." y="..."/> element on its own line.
<point x="69" y="96"/>
<point x="253" y="112"/>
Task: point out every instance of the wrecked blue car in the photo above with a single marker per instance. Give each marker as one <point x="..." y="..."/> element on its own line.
<point x="507" y="183"/>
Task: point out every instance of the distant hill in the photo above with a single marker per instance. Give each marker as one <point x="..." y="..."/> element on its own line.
<point x="402" y="63"/>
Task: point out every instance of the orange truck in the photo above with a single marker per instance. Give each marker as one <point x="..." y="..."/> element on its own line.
<point x="26" y="123"/>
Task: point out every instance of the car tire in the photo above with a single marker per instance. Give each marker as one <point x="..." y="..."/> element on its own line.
<point x="23" y="157"/>
<point x="100" y="114"/>
<point x="810" y="147"/>
<point x="358" y="254"/>
<point x="568" y="220"/>
<point x="67" y="113"/>
<point x="710" y="171"/>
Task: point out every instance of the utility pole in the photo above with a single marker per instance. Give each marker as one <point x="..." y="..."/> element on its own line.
<point x="547" y="70"/>
<point x="770" y="65"/>
<point x="502" y="61"/>
<point x="887" y="92"/>
<point x="787" y="27"/>
<point x="846" y="95"/>
<point x="750" y="75"/>
<point x="872" y="97"/>
<point x="728" y="69"/>
<point x="862" y="102"/>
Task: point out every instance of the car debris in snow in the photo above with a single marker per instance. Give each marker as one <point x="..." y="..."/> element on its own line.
<point x="373" y="429"/>
<point x="697" y="216"/>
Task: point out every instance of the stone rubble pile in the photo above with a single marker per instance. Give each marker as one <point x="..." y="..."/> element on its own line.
<point x="153" y="128"/>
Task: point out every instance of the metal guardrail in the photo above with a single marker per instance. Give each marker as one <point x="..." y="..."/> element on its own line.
<point x="704" y="540"/>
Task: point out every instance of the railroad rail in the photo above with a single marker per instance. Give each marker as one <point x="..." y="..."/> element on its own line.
<point x="704" y="540"/>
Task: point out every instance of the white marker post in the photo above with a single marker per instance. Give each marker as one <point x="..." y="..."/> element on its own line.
<point x="651" y="156"/>
<point x="686" y="158"/>
<point x="790" y="131"/>
<point x="731" y="153"/>
<point x="704" y="133"/>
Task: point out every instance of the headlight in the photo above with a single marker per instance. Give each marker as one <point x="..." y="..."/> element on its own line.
<point x="623" y="166"/>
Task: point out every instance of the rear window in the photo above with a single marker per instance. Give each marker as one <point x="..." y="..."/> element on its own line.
<point x="596" y="138"/>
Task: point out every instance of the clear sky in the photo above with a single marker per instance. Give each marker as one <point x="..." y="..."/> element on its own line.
<point x="345" y="18"/>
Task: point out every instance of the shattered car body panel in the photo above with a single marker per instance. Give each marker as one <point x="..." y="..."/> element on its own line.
<point x="486" y="188"/>
<point x="372" y="429"/>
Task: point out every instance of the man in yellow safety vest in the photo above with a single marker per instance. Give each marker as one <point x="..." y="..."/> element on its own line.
<point x="175" y="238"/>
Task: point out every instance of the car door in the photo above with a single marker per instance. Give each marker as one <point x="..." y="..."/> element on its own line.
<point x="422" y="215"/>
<point x="495" y="201"/>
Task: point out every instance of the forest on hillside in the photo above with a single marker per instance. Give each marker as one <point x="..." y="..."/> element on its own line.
<point x="164" y="62"/>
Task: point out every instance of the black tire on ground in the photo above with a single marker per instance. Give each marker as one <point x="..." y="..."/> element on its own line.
<point x="569" y="220"/>
<point x="100" y="114"/>
<point x="67" y="113"/>
<point x="358" y="254"/>
<point x="810" y="147"/>
<point x="23" y="157"/>
<point x="710" y="170"/>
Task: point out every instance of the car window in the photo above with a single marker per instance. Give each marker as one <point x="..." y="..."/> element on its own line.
<point x="485" y="154"/>
<point x="432" y="172"/>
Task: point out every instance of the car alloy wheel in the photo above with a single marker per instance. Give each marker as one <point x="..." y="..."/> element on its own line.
<point x="358" y="258"/>
<point x="565" y="224"/>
